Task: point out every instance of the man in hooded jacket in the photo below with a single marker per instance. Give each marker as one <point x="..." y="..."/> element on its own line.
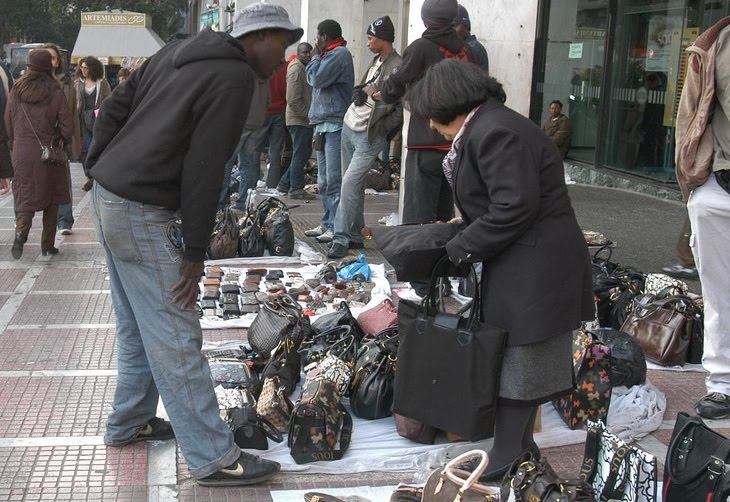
<point x="158" y="154"/>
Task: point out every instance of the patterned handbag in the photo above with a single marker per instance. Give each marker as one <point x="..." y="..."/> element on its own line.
<point x="332" y="368"/>
<point x="617" y="471"/>
<point x="591" y="395"/>
<point x="274" y="405"/>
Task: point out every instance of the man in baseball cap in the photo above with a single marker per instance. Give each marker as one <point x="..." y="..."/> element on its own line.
<point x="160" y="145"/>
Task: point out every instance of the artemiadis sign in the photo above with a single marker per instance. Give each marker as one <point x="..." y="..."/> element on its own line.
<point x="113" y="19"/>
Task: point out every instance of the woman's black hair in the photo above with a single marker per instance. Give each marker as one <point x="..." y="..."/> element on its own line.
<point x="330" y="29"/>
<point x="451" y="88"/>
<point x="96" y="69"/>
<point x="61" y="63"/>
<point x="557" y="102"/>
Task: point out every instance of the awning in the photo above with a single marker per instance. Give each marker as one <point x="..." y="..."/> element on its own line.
<point x="112" y="44"/>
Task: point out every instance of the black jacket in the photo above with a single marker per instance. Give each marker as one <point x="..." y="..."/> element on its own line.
<point x="417" y="58"/>
<point x="164" y="136"/>
<point x="509" y="186"/>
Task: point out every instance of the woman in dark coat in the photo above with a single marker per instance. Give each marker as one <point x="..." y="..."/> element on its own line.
<point x="509" y="187"/>
<point x="36" y="111"/>
<point x="91" y="89"/>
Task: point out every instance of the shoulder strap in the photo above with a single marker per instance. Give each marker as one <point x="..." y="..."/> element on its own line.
<point x="31" y="125"/>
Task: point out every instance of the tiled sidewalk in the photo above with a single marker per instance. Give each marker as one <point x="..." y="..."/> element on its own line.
<point x="57" y="372"/>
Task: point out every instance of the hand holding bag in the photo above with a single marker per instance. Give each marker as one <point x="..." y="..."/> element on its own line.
<point x="452" y="483"/>
<point x="697" y="466"/>
<point x="616" y="470"/>
<point x="449" y="367"/>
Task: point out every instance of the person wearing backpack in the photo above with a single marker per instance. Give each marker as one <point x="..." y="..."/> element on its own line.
<point x="427" y="195"/>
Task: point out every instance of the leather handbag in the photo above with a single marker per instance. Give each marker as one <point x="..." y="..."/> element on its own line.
<point x="454" y="483"/>
<point x="274" y="405"/>
<point x="234" y="373"/>
<point x="249" y="430"/>
<point x="614" y="287"/>
<point x="341" y="317"/>
<point x="277" y="319"/>
<point x="376" y="319"/>
<point x="628" y="363"/>
<point x="371" y="388"/>
<point x="697" y="466"/>
<point x="224" y="241"/>
<point x="449" y="366"/>
<point x="663" y="326"/>
<point x="618" y="471"/>
<point x="284" y="363"/>
<point x="332" y="368"/>
<point x="279" y="232"/>
<point x="415" y="430"/>
<point x="531" y="480"/>
<point x="251" y="241"/>
<point x="591" y="394"/>
<point x="338" y="341"/>
<point x="53" y="153"/>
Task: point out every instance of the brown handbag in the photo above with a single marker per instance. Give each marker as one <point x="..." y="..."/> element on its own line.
<point x="382" y="316"/>
<point x="663" y="327"/>
<point x="452" y="483"/>
<point x="274" y="405"/>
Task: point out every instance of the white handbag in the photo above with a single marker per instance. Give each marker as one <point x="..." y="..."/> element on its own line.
<point x="616" y="470"/>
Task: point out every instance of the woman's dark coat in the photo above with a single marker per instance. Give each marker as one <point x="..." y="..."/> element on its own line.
<point x="36" y="184"/>
<point x="509" y="186"/>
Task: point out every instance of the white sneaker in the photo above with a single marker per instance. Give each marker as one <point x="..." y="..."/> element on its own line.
<point x="274" y="192"/>
<point x="325" y="236"/>
<point x="260" y="184"/>
<point x="314" y="232"/>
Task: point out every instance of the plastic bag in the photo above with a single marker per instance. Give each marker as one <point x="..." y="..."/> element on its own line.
<point x="354" y="271"/>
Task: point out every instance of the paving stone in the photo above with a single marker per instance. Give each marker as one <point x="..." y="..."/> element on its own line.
<point x="10" y="278"/>
<point x="65" y="278"/>
<point x="65" y="309"/>
<point x="63" y="349"/>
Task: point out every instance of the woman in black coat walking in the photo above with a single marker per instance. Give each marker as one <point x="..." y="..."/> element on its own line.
<point x="509" y="187"/>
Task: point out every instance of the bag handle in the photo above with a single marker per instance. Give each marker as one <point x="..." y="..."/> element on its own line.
<point x="722" y="452"/>
<point x="451" y="472"/>
<point x="269" y="429"/>
<point x="429" y="301"/>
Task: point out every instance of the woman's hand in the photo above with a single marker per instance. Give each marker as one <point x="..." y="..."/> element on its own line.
<point x="456" y="221"/>
<point x="186" y="290"/>
<point x="4" y="185"/>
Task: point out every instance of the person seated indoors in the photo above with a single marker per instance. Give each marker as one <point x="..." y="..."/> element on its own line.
<point x="557" y="127"/>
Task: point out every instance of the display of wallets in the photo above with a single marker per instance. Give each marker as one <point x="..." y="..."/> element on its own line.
<point x="231" y="309"/>
<point x="214" y="283"/>
<point x="214" y="272"/>
<point x="279" y="273"/>
<point x="249" y="299"/>
<point x="274" y="287"/>
<point x="231" y="277"/>
<point x="294" y="275"/>
<point x="210" y="312"/>
<point x="229" y="298"/>
<point x="210" y="293"/>
<point x="230" y="288"/>
<point x="250" y="288"/>
<point x="256" y="271"/>
<point x="250" y="309"/>
<point x="272" y="277"/>
<point x="252" y="279"/>
<point x="209" y="304"/>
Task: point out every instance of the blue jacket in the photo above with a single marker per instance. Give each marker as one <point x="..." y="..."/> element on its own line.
<point x="332" y="77"/>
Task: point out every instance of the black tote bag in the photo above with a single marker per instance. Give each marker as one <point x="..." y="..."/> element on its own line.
<point x="449" y="366"/>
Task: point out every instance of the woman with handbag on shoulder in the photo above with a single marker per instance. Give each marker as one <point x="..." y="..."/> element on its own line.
<point x="37" y="118"/>
<point x="91" y="89"/>
<point x="509" y="186"/>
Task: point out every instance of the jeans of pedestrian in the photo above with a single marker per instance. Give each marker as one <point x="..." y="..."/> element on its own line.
<point x="329" y="177"/>
<point x="276" y="131"/>
<point x="158" y="344"/>
<point x="293" y="178"/>
<point x="249" y="165"/>
<point x="709" y="214"/>
<point x="428" y="197"/>
<point x="65" y="211"/>
<point x="358" y="155"/>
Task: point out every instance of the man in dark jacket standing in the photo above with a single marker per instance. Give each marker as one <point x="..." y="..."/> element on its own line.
<point x="462" y="25"/>
<point x="427" y="196"/>
<point x="158" y="154"/>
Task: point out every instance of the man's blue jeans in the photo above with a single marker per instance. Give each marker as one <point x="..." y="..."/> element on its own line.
<point x="65" y="211"/>
<point x="329" y="177"/>
<point x="357" y="156"/>
<point x="293" y="178"/>
<point x="158" y="345"/>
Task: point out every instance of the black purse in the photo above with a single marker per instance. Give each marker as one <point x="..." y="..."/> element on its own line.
<point x="535" y="480"/>
<point x="449" y="366"/>
<point x="284" y="364"/>
<point x="341" y="317"/>
<point x="251" y="431"/>
<point x="371" y="387"/>
<point x="251" y="237"/>
<point x="276" y="320"/>
<point x="338" y="341"/>
<point x="697" y="466"/>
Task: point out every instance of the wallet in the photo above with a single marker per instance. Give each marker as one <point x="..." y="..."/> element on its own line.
<point x="249" y="299"/>
<point x="256" y="271"/>
<point x="214" y="272"/>
<point x="210" y="312"/>
<point x="232" y="277"/>
<point x="230" y="288"/>
<point x="250" y="288"/>
<point x="210" y="293"/>
<point x="229" y="298"/>
<point x="213" y="282"/>
<point x="231" y="309"/>
<point x="250" y="309"/>
<point x="252" y="279"/>
<point x="209" y="304"/>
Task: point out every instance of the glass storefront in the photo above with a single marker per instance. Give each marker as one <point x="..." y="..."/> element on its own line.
<point x="618" y="67"/>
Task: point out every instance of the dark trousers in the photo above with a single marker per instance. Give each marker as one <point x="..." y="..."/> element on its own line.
<point x="428" y="197"/>
<point x="24" y="221"/>
<point x="293" y="178"/>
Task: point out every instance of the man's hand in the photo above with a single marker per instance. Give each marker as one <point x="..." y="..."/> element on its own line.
<point x="4" y="185"/>
<point x="186" y="290"/>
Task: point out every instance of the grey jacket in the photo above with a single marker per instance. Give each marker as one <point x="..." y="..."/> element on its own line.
<point x="385" y="118"/>
<point x="298" y="95"/>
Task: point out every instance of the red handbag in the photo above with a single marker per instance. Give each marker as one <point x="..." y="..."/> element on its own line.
<point x="374" y="320"/>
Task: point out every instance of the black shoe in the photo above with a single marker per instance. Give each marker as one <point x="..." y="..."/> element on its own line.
<point x="156" y="429"/>
<point x="355" y="245"/>
<point x="714" y="405"/>
<point x="247" y="470"/>
<point x="88" y="185"/>
<point x="337" y="251"/>
<point x="17" y="250"/>
<point x="51" y="251"/>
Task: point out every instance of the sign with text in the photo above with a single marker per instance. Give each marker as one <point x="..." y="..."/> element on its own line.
<point x="113" y="19"/>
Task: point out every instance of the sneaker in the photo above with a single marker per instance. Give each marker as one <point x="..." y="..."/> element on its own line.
<point x="336" y="251"/>
<point x="325" y="236"/>
<point x="681" y="272"/>
<point x="247" y="470"/>
<point x="301" y="194"/>
<point x="314" y="232"/>
<point x="713" y="405"/>
<point x="274" y="192"/>
<point x="156" y="429"/>
<point x="66" y="231"/>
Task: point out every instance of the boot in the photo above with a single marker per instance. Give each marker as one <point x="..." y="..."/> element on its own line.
<point x="17" y="250"/>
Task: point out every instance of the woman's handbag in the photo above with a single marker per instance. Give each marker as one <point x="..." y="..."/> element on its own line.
<point x="278" y="230"/>
<point x="276" y="320"/>
<point x="531" y="480"/>
<point x="274" y="404"/>
<point x="251" y="240"/>
<point x="449" y="367"/>
<point x="591" y="395"/>
<point x="284" y="363"/>
<point x="415" y="430"/>
<point x="54" y="153"/>
<point x="224" y="241"/>
<point x="697" y="466"/>
<point x="664" y="326"/>
<point x="341" y="317"/>
<point x="452" y="483"/>
<point x="628" y="363"/>
<point x="616" y="470"/>
<point x="371" y="388"/>
<point x="376" y="319"/>
<point x="234" y="374"/>
<point x="338" y="341"/>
